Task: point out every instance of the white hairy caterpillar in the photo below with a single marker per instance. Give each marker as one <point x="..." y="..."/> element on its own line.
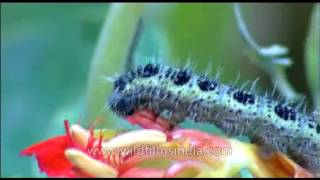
<point x="177" y="94"/>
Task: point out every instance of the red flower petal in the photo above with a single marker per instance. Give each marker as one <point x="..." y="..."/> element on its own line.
<point x="50" y="156"/>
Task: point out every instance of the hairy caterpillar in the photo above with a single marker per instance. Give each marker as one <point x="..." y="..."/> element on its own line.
<point x="177" y="94"/>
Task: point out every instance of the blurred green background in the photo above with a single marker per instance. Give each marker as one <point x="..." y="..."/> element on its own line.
<point x="47" y="49"/>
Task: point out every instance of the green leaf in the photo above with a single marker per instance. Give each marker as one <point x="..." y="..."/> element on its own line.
<point x="109" y="57"/>
<point x="312" y="56"/>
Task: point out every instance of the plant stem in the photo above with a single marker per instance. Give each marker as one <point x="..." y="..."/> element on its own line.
<point x="130" y="61"/>
<point x="243" y="29"/>
<point x="268" y="59"/>
<point x="110" y="56"/>
<point x="312" y="56"/>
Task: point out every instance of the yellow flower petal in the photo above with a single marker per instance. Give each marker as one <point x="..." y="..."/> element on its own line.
<point x="107" y="134"/>
<point x="79" y="135"/>
<point x="89" y="165"/>
<point x="137" y="137"/>
<point x="217" y="173"/>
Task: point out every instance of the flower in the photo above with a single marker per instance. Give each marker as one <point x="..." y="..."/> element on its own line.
<point x="54" y="155"/>
<point x="158" y="150"/>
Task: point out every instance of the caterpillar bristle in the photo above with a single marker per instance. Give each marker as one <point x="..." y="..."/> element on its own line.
<point x="254" y="85"/>
<point x="208" y="70"/>
<point x="111" y="79"/>
<point x="237" y="78"/>
<point x="244" y="85"/>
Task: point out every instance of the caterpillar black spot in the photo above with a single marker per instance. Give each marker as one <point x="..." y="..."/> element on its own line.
<point x="177" y="94"/>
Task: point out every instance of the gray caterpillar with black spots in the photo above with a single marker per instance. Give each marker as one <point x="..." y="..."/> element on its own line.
<point x="177" y="94"/>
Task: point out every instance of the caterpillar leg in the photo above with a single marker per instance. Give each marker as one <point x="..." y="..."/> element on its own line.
<point x="149" y="120"/>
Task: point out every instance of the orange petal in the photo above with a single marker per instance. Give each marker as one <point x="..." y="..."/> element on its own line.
<point x="276" y="165"/>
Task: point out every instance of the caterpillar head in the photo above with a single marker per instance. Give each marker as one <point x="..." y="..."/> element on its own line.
<point x="121" y="104"/>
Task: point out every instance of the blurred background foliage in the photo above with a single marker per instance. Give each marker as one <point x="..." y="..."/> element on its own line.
<point x="47" y="51"/>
